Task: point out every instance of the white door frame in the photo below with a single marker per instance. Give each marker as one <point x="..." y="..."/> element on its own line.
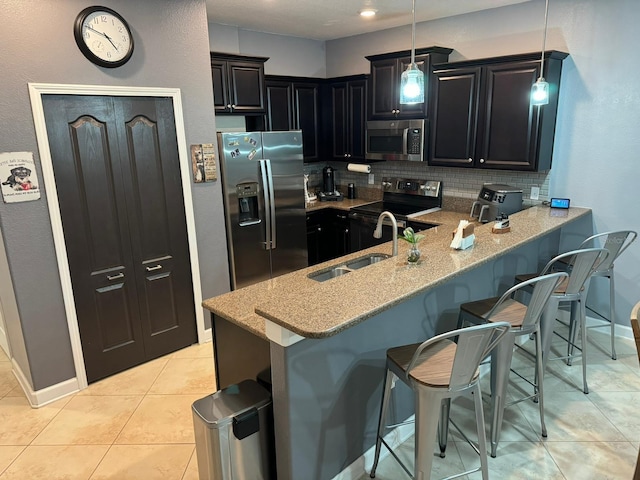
<point x="36" y="90"/>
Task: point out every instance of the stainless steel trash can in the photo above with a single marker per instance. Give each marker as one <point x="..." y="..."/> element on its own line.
<point x="233" y="430"/>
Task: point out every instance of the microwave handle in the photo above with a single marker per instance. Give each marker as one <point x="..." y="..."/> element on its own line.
<point x="405" y="139"/>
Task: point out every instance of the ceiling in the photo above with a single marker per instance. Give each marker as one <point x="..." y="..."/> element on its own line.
<point x="331" y="19"/>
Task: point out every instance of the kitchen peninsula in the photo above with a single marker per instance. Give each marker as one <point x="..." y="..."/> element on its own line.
<point x="326" y="341"/>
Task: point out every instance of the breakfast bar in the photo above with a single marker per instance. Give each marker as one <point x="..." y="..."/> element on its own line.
<point x="326" y="340"/>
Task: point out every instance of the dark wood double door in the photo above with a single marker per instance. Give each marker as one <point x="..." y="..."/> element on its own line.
<point x="119" y="187"/>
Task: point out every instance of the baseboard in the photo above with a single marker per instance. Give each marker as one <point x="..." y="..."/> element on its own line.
<point x="206" y="336"/>
<point x="363" y="464"/>
<point x="40" y="398"/>
<point x="4" y="343"/>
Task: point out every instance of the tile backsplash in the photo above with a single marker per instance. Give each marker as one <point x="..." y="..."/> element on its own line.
<point x="457" y="182"/>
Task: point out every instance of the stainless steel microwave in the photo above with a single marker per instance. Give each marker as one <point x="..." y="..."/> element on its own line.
<point x="395" y="140"/>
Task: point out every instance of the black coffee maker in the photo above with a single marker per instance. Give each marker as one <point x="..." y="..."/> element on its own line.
<point x="329" y="191"/>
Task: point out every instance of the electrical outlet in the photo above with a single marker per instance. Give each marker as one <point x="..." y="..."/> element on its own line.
<point x="535" y="193"/>
<point x="371" y="179"/>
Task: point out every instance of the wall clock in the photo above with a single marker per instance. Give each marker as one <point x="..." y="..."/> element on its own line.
<point x="103" y="36"/>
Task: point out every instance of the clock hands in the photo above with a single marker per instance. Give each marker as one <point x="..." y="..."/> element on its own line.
<point x="89" y="27"/>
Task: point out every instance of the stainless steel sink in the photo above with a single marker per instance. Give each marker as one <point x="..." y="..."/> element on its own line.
<point x="368" y="260"/>
<point x="345" y="268"/>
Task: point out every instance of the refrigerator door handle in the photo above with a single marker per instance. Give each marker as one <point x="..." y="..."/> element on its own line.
<point x="267" y="204"/>
<point x="271" y="217"/>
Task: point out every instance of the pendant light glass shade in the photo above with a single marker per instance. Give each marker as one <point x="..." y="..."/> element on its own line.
<point x="412" y="79"/>
<point x="540" y="92"/>
<point x="412" y="85"/>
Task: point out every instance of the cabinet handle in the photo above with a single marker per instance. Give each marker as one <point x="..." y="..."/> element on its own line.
<point x="482" y="160"/>
<point x="229" y="106"/>
<point x="115" y="277"/>
<point x="470" y="160"/>
<point x="151" y="269"/>
<point x="346" y="155"/>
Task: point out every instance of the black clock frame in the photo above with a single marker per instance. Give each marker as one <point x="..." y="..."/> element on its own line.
<point x="77" y="33"/>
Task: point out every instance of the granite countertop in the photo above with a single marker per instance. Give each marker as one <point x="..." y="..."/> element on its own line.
<point x="292" y="300"/>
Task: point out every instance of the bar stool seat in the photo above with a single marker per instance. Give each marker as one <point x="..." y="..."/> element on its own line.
<point x="524" y="321"/>
<point x="437" y="370"/>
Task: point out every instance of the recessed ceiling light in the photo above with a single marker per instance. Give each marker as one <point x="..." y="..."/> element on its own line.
<point x="369" y="12"/>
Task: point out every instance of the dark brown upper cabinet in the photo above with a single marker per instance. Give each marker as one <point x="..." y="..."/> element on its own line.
<point x="293" y="103"/>
<point x="482" y="116"/>
<point x="345" y="107"/>
<point x="238" y="84"/>
<point x="386" y="70"/>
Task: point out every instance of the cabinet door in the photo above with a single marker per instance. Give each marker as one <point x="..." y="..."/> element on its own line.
<point x="318" y="250"/>
<point x="307" y="118"/>
<point x="348" y="114"/>
<point x="509" y="135"/>
<point x="454" y="117"/>
<point x="219" y="76"/>
<point x="357" y="96"/>
<point x="279" y="105"/>
<point x="246" y="87"/>
<point x="339" y="231"/>
<point x="384" y="86"/>
<point x="339" y="121"/>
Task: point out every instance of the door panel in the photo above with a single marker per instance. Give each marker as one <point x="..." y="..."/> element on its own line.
<point x="115" y="322"/>
<point x="155" y="208"/>
<point x="114" y="207"/>
<point x="453" y="131"/>
<point x="511" y="122"/>
<point x="87" y="169"/>
<point x="163" y="312"/>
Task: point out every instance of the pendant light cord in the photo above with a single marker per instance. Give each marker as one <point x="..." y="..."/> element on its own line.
<point x="544" y="38"/>
<point x="413" y="34"/>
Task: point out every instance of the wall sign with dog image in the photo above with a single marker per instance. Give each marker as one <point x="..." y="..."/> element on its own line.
<point x="18" y="177"/>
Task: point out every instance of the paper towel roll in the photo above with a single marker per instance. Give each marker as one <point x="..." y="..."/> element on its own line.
<point x="358" y="167"/>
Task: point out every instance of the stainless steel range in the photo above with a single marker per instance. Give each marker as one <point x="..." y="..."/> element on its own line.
<point x="404" y="197"/>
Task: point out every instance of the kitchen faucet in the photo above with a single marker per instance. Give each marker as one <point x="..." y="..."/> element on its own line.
<point x="378" y="231"/>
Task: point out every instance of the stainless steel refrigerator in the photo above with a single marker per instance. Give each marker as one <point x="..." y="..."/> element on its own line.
<point x="263" y="187"/>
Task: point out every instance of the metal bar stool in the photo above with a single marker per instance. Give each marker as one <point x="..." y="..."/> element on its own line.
<point x="437" y="370"/>
<point x="616" y="243"/>
<point x="582" y="263"/>
<point x="524" y="321"/>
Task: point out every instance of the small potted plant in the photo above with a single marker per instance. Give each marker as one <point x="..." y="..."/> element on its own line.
<point x="408" y="235"/>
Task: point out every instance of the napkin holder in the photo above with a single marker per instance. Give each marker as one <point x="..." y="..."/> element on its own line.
<point x="467" y="238"/>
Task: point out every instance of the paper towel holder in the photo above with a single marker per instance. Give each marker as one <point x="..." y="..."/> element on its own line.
<point x="359" y="168"/>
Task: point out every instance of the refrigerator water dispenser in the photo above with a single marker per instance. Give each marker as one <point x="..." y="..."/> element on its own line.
<point x="248" y="212"/>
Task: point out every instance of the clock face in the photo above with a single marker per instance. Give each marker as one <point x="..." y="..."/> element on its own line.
<point x="103" y="36"/>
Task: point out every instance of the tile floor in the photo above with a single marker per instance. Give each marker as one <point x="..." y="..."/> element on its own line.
<point x="137" y="425"/>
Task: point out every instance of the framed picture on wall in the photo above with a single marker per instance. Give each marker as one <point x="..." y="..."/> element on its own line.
<point x="19" y="178"/>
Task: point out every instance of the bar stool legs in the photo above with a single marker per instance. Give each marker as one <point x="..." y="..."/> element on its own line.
<point x="386" y="394"/>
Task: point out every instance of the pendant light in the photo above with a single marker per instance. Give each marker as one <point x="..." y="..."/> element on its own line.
<point x="412" y="79"/>
<point x="540" y="89"/>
